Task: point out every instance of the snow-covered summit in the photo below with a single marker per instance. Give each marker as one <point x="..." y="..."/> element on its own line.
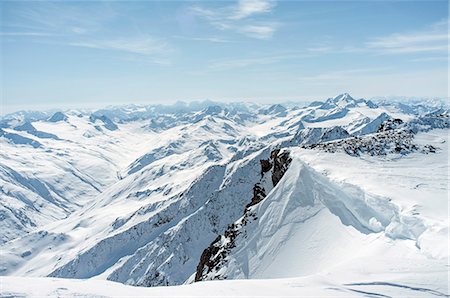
<point x="58" y="116"/>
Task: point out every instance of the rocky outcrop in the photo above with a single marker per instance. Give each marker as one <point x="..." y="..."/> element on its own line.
<point x="215" y="255"/>
<point x="392" y="135"/>
<point x="265" y="166"/>
<point x="259" y="193"/>
<point x="280" y="164"/>
<point x="390" y="124"/>
<point x="207" y="259"/>
<point x="378" y="144"/>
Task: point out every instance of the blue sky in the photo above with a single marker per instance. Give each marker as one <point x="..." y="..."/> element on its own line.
<point x="65" y="54"/>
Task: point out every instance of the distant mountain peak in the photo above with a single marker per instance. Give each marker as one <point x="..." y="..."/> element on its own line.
<point x="25" y="126"/>
<point x="58" y="116"/>
<point x="213" y="110"/>
<point x="343" y="96"/>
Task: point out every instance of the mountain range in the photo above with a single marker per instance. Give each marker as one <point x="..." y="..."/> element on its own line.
<point x="340" y="197"/>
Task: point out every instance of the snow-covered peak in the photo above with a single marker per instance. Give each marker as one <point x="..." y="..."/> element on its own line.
<point x="213" y="110"/>
<point x="25" y="126"/>
<point x="58" y="116"/>
<point x="106" y="122"/>
<point x="275" y="110"/>
<point x="346" y="101"/>
<point x="343" y="97"/>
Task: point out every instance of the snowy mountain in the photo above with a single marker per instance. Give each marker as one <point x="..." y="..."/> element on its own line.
<point x="333" y="194"/>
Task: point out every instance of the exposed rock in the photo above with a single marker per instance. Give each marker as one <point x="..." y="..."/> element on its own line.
<point x="215" y="255"/>
<point x="280" y="165"/>
<point x="265" y="166"/>
<point x="390" y="124"/>
<point x="381" y="143"/>
<point x="207" y="259"/>
<point x="259" y="193"/>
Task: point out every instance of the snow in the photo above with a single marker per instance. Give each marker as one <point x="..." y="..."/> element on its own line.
<point x="416" y="182"/>
<point x="135" y="194"/>
<point x="366" y="284"/>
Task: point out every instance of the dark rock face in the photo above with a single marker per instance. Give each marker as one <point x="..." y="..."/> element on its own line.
<point x="215" y="255"/>
<point x="259" y="194"/>
<point x="281" y="163"/>
<point x="390" y="124"/>
<point x="265" y="166"/>
<point x="207" y="260"/>
<point x="378" y="144"/>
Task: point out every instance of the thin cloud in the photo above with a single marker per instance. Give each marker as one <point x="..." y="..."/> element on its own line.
<point x="239" y="18"/>
<point x="207" y="39"/>
<point x="327" y="77"/>
<point x="320" y="50"/>
<point x="247" y="8"/>
<point x="434" y="39"/>
<point x="26" y="34"/>
<point x="66" y="17"/>
<point x="428" y="59"/>
<point x="248" y="62"/>
<point x="145" y="46"/>
<point x="259" y="31"/>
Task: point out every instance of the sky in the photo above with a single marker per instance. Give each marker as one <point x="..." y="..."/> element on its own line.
<point x="86" y="53"/>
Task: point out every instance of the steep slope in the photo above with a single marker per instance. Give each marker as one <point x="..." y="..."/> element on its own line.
<point x="67" y="171"/>
<point x="131" y="247"/>
<point x="70" y="168"/>
<point x="312" y="223"/>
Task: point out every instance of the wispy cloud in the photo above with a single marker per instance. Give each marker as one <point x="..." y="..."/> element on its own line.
<point x="429" y="59"/>
<point x="248" y="62"/>
<point x="65" y="17"/>
<point x="69" y="24"/>
<point x="247" y="8"/>
<point x="239" y="18"/>
<point x="264" y="31"/>
<point x="320" y="49"/>
<point x="15" y="34"/>
<point x="207" y="39"/>
<point x="330" y="76"/>
<point x="433" y="39"/>
<point x="142" y="46"/>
